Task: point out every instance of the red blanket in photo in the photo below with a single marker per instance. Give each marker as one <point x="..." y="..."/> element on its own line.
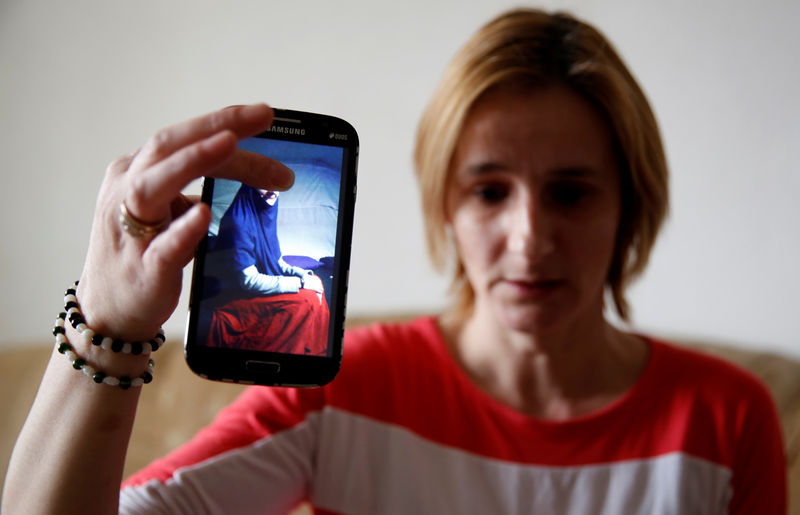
<point x="294" y="323"/>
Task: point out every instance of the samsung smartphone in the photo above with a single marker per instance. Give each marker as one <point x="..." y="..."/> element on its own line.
<point x="270" y="279"/>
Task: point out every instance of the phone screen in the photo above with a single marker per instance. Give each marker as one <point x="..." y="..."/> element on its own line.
<point x="270" y="280"/>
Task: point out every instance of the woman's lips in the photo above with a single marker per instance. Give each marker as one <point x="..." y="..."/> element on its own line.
<point x="534" y="289"/>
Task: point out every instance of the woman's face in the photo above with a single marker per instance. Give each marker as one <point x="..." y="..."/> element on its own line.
<point x="269" y="196"/>
<point x="534" y="205"/>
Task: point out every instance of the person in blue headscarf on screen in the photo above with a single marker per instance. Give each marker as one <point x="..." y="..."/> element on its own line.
<point x="249" y="232"/>
<point x="264" y="302"/>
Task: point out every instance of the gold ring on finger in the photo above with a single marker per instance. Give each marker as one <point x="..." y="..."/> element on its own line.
<point x="137" y="228"/>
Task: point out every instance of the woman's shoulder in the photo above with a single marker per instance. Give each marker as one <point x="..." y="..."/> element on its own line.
<point x="384" y="352"/>
<point x="398" y="342"/>
<point x="689" y="369"/>
<point x="419" y="330"/>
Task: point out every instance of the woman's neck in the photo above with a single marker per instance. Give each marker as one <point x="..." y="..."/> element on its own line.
<point x="559" y="375"/>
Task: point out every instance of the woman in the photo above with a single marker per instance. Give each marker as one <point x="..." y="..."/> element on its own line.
<point x="248" y="237"/>
<point x="264" y="303"/>
<point x="542" y="173"/>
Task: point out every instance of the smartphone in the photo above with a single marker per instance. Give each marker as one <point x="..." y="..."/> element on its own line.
<point x="269" y="286"/>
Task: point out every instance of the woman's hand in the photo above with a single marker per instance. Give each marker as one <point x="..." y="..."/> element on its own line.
<point x="312" y="282"/>
<point x="131" y="285"/>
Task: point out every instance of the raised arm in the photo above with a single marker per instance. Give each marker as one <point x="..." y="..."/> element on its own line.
<point x="70" y="454"/>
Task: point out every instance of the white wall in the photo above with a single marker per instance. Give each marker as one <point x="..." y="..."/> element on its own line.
<point x="85" y="81"/>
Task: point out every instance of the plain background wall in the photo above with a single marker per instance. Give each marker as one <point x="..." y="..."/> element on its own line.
<point x="85" y="81"/>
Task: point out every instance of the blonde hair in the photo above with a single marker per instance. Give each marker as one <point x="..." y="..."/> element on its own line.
<point x="529" y="49"/>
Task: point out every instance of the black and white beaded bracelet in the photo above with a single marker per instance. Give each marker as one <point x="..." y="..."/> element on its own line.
<point x="98" y="376"/>
<point x="77" y="321"/>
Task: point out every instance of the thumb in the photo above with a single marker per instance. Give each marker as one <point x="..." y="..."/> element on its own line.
<point x="171" y="250"/>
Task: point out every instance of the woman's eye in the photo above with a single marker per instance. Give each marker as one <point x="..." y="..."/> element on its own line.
<point x="491" y="193"/>
<point x="568" y="195"/>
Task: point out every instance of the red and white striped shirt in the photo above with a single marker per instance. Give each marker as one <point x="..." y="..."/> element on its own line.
<point x="403" y="430"/>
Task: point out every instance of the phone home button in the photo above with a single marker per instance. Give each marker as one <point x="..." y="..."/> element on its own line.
<point x="262" y="367"/>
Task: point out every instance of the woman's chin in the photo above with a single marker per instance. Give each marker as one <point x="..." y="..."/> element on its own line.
<point x="529" y="319"/>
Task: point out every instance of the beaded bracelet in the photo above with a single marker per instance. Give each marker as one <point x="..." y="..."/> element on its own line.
<point x="98" y="376"/>
<point x="75" y="317"/>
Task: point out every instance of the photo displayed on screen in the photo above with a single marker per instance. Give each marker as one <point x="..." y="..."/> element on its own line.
<point x="270" y="259"/>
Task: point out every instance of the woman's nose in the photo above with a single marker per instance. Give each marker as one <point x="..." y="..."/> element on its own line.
<point x="530" y="230"/>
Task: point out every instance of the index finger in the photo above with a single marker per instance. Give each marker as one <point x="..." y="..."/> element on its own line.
<point x="152" y="190"/>
<point x="256" y="170"/>
<point x="243" y="121"/>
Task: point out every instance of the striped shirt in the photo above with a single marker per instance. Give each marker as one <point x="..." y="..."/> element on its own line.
<point x="403" y="430"/>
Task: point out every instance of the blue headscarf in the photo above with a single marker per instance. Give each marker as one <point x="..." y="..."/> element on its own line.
<point x="249" y="229"/>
